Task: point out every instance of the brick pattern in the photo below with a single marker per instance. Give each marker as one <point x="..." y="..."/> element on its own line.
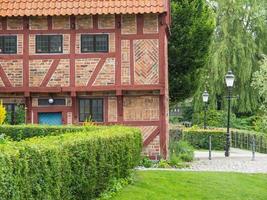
<point x="128" y="25"/>
<point x="38" y="23"/>
<point x="84" y="69"/>
<point x="65" y="45"/>
<point x="61" y="77"/>
<point x="141" y="108"/>
<point x="147" y="130"/>
<point x="61" y="22"/>
<point x="153" y="149"/>
<point x="112" y="109"/>
<point x="111" y="40"/>
<point x="20" y="44"/>
<point x="38" y="70"/>
<point x="84" y="22"/>
<point x="34" y="102"/>
<point x="1" y="26"/>
<point x="151" y="23"/>
<point x="146" y="61"/>
<point x="14" y="71"/>
<point x="106" y="21"/>
<point x="15" y="23"/>
<point x="106" y="75"/>
<point x="125" y="62"/>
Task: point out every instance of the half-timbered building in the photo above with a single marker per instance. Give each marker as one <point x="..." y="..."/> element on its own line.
<point x="69" y="61"/>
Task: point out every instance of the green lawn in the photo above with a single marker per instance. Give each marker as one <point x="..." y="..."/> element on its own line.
<point x="166" y="185"/>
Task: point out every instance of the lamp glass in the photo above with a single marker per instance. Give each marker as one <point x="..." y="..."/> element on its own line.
<point x="205" y="97"/>
<point x="50" y="101"/>
<point x="229" y="79"/>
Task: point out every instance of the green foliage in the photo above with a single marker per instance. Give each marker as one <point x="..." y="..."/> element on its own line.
<point x="115" y="186"/>
<point x="68" y="166"/>
<point x="239" y="40"/>
<point x="175" y="119"/>
<point x="19" y="116"/>
<point x="21" y="132"/>
<point x="146" y="162"/>
<point x="192" y="27"/>
<point x="163" y="164"/>
<point x="199" y="138"/>
<point x="181" y="150"/>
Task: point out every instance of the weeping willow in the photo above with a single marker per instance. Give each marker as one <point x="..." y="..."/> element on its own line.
<point x="239" y="40"/>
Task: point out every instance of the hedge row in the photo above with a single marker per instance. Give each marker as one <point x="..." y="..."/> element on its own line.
<point x="67" y="166"/>
<point x="199" y="138"/>
<point x="21" y="132"/>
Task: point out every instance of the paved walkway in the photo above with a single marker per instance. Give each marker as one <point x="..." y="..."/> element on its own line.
<point x="239" y="161"/>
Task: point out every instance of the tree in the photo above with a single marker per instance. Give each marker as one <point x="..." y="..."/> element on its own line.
<point x="191" y="31"/>
<point x="239" y="40"/>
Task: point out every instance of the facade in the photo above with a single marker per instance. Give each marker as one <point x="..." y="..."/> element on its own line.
<point x="69" y="62"/>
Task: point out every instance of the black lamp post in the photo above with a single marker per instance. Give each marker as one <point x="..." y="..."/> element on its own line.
<point x="229" y="79"/>
<point x="205" y="98"/>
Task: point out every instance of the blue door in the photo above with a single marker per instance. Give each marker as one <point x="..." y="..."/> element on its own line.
<point x="50" y="118"/>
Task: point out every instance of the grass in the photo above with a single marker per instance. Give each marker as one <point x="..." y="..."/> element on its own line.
<point x="169" y="185"/>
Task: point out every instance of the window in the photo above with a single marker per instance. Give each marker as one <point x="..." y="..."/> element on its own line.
<point x="15" y="113"/>
<point x="91" y="109"/>
<point x="49" y="43"/>
<point x="8" y="44"/>
<point x="94" y="43"/>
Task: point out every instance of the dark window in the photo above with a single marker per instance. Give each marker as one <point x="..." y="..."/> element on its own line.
<point x="49" y="43"/>
<point x="91" y="109"/>
<point x="57" y="102"/>
<point x="15" y="113"/>
<point x="94" y="43"/>
<point x="8" y="44"/>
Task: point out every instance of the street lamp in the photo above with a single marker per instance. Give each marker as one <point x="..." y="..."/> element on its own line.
<point x="205" y="98"/>
<point x="229" y="79"/>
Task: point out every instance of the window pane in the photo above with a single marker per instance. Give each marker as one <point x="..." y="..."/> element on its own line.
<point x="97" y="110"/>
<point x="87" y="43"/>
<point x="101" y="43"/>
<point x="1" y="44"/>
<point x="55" y="44"/>
<point x="10" y="44"/>
<point x="42" y="44"/>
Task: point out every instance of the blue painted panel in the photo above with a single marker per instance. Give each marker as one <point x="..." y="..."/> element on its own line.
<point x="50" y="118"/>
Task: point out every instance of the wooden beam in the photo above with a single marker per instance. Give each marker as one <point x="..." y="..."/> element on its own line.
<point x="151" y="137"/>
<point x="50" y="72"/>
<point x="96" y="71"/>
<point x="4" y="77"/>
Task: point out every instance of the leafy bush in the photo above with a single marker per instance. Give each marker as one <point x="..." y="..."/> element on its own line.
<point x="175" y="119"/>
<point x="2" y="113"/>
<point x="21" y="132"/>
<point x="163" y="164"/>
<point x="199" y="138"/>
<point x="68" y="166"/>
<point x="146" y="162"/>
<point x="181" y="150"/>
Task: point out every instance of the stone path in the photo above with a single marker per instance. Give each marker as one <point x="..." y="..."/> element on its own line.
<point x="239" y="161"/>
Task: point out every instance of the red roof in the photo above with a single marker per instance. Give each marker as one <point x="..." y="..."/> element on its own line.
<point x="79" y="7"/>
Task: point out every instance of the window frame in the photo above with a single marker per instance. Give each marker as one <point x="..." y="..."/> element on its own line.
<point x="90" y="109"/>
<point x="49" y="44"/>
<point x="94" y="43"/>
<point x="2" y="37"/>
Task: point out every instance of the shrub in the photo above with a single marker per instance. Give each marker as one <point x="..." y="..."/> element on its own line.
<point x="199" y="138"/>
<point x="146" y="162"/>
<point x="181" y="150"/>
<point x="2" y="113"/>
<point x="21" y="132"/>
<point x="68" y="166"/>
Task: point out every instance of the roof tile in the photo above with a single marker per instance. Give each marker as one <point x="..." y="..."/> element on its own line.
<point x="10" y="8"/>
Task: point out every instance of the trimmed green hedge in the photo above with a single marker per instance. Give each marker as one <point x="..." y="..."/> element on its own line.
<point x="21" y="132"/>
<point x="199" y="138"/>
<point x="67" y="166"/>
